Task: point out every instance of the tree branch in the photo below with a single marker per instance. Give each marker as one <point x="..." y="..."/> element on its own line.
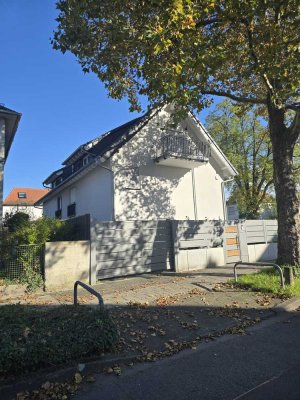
<point x="264" y="193"/>
<point x="242" y="99"/>
<point x="293" y="106"/>
<point x="208" y="21"/>
<point x="255" y="58"/>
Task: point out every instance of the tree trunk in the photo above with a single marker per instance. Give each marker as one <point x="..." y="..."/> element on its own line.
<point x="283" y="142"/>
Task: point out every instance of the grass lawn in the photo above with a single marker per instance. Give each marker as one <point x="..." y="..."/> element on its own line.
<point x="268" y="281"/>
<point x="33" y="337"/>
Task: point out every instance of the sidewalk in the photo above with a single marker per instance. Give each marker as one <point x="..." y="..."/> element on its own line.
<point x="121" y="291"/>
<point x="161" y="314"/>
<point x="158" y="315"/>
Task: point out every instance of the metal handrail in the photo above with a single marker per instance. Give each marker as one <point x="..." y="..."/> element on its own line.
<point x="262" y="264"/>
<point x="90" y="290"/>
<point x="181" y="145"/>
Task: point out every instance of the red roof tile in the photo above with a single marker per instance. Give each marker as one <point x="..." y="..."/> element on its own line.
<point x="32" y="195"/>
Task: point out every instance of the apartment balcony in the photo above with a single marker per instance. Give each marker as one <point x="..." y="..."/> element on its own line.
<point x="179" y="151"/>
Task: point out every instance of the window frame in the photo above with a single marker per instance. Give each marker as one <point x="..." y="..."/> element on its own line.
<point x="58" y="203"/>
<point x="22" y="197"/>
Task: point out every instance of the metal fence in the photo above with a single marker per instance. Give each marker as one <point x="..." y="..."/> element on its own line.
<point x="78" y="228"/>
<point x="15" y="259"/>
<point x="183" y="146"/>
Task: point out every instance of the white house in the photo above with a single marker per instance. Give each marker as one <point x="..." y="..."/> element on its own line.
<point x="23" y="200"/>
<point x="9" y="121"/>
<point x="143" y="170"/>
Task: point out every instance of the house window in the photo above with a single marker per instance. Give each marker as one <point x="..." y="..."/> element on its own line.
<point x="58" y="181"/>
<point x="22" y="195"/>
<point x="58" y="209"/>
<point x="86" y="160"/>
<point x="77" y="166"/>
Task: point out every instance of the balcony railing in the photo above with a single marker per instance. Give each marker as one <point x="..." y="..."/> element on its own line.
<point x="58" y="214"/>
<point x="181" y="146"/>
<point x="71" y="211"/>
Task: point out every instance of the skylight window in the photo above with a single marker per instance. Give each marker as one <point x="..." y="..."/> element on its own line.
<point x="22" y="195"/>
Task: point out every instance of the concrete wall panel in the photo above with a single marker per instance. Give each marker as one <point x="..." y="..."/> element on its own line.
<point x="66" y="262"/>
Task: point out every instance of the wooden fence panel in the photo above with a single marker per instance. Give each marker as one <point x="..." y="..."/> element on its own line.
<point x="261" y="231"/>
<point x="199" y="234"/>
<point x="131" y="247"/>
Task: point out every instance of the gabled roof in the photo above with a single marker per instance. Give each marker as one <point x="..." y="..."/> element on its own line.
<point x="12" y="119"/>
<point x="218" y="159"/>
<point x="63" y="172"/>
<point x="32" y="196"/>
<point x="104" y="142"/>
<point x="110" y="141"/>
<point x="102" y="147"/>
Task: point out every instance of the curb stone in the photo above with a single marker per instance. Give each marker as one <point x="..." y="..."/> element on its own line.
<point x="288" y="305"/>
<point x="33" y="382"/>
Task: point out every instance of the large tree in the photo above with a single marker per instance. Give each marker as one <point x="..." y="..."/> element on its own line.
<point x="186" y="51"/>
<point x="244" y="138"/>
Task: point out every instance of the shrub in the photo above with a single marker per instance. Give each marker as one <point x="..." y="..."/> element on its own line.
<point x="19" y="230"/>
<point x="33" y="338"/>
<point x="15" y="221"/>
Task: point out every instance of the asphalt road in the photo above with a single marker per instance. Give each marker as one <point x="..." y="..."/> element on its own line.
<point x="265" y="364"/>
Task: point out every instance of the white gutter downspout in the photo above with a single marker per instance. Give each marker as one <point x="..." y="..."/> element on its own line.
<point x="194" y="195"/>
<point x="223" y="196"/>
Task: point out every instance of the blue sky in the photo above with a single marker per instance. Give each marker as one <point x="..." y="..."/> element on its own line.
<point x="61" y="107"/>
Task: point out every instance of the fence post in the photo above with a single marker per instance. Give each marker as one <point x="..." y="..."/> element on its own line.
<point x="242" y="235"/>
<point x="42" y="260"/>
<point x="174" y="243"/>
<point x="265" y="231"/>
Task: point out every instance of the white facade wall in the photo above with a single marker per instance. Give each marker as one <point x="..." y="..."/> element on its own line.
<point x="92" y="194"/>
<point x="208" y="193"/>
<point x="162" y="192"/>
<point x="2" y="161"/>
<point x="33" y="212"/>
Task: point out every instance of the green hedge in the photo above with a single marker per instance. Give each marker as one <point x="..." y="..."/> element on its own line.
<point x="38" y="337"/>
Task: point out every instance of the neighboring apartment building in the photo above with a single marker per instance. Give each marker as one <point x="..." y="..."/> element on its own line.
<point x="143" y="170"/>
<point x="9" y="121"/>
<point x="23" y="200"/>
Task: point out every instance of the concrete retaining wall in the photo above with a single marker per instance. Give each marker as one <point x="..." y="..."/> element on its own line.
<point x="197" y="244"/>
<point x="262" y="252"/>
<point x="66" y="262"/>
<point x="194" y="259"/>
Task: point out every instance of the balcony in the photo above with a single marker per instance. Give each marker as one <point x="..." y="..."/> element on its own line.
<point x="180" y="151"/>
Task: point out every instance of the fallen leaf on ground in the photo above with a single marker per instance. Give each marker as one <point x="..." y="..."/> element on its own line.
<point x="78" y="377"/>
<point x="90" y="378"/>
